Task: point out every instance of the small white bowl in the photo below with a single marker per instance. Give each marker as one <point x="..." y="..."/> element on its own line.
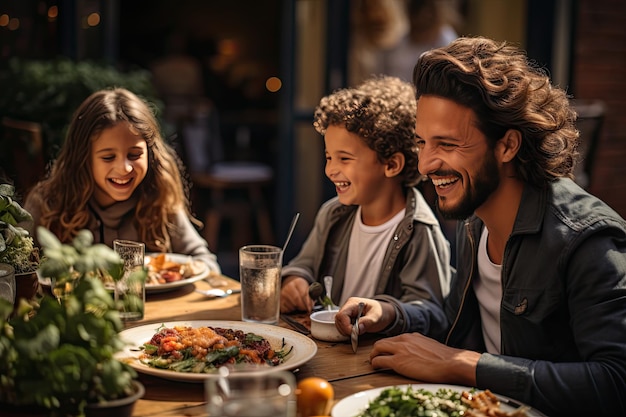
<point x="323" y="326"/>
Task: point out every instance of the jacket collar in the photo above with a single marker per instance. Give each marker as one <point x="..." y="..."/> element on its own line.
<point x="530" y="213"/>
<point x="416" y="208"/>
<point x="531" y="210"/>
<point x="416" y="204"/>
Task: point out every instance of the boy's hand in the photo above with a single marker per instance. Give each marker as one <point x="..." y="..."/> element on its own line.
<point x="294" y="295"/>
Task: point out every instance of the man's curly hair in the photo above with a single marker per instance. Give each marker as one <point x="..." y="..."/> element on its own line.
<point x="506" y="91"/>
<point x="381" y="111"/>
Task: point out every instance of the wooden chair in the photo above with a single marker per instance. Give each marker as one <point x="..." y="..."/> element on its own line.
<point x="23" y="153"/>
<point x="591" y="114"/>
<point x="223" y="189"/>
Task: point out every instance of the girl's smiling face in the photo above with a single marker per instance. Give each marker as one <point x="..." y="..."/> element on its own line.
<point x="353" y="167"/>
<point x="119" y="160"/>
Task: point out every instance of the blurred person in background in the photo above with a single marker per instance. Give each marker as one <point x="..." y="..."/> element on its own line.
<point x="389" y="35"/>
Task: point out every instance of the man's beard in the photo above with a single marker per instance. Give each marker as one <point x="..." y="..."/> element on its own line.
<point x="484" y="184"/>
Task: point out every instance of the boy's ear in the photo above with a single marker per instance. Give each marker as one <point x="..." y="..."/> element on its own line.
<point x="394" y="164"/>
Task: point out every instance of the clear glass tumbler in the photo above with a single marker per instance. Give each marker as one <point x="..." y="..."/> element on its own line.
<point x="259" y="273"/>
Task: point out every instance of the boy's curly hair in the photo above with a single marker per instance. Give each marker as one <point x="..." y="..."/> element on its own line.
<point x="381" y="111"/>
<point x="506" y="91"/>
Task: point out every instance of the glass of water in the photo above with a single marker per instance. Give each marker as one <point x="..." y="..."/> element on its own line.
<point x="259" y="273"/>
<point x="130" y="290"/>
<point x="253" y="394"/>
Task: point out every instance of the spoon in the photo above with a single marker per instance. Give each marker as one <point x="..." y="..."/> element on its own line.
<point x="328" y="301"/>
<point x="218" y="292"/>
<point x="354" y="336"/>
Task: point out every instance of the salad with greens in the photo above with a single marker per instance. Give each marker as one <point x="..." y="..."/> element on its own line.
<point x="444" y="402"/>
<point x="412" y="402"/>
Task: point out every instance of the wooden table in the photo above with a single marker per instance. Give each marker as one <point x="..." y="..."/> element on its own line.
<point x="346" y="371"/>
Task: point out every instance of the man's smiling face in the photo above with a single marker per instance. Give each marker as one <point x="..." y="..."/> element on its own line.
<point x="455" y="155"/>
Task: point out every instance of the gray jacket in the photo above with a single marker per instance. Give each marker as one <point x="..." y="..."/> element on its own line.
<point x="563" y="310"/>
<point x="416" y="263"/>
<point x="117" y="222"/>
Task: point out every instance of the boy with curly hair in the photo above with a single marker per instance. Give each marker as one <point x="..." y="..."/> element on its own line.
<point x="378" y="237"/>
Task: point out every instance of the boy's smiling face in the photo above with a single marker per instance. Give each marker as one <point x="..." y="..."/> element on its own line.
<point x="353" y="167"/>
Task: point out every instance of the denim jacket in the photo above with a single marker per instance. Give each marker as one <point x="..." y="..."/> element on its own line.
<point x="416" y="263"/>
<point x="563" y="309"/>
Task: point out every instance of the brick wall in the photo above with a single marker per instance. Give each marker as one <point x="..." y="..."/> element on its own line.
<point x="599" y="72"/>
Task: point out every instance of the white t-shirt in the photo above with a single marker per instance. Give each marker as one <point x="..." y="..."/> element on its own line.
<point x="488" y="289"/>
<point x="366" y="251"/>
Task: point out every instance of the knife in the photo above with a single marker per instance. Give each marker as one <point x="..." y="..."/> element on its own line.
<point x="295" y="324"/>
<point x="354" y="336"/>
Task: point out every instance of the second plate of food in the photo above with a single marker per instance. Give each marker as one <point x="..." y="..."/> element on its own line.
<point x="357" y="405"/>
<point x="169" y="271"/>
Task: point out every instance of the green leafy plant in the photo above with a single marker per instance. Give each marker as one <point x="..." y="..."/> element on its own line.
<point x="16" y="244"/>
<point x="61" y="358"/>
<point x="48" y="92"/>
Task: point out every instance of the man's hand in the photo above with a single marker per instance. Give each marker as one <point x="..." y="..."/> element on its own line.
<point x="424" y="359"/>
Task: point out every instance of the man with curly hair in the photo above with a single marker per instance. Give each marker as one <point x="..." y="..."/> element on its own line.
<point x="378" y="237"/>
<point x="537" y="308"/>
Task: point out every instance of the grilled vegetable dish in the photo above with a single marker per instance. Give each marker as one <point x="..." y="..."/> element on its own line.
<point x="204" y="349"/>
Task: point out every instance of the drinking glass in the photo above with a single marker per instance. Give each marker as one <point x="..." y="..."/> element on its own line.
<point x="7" y="283"/>
<point x="259" y="273"/>
<point x="130" y="290"/>
<point x="253" y="394"/>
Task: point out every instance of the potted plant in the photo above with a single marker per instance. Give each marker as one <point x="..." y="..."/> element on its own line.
<point x="17" y="247"/>
<point x="60" y="360"/>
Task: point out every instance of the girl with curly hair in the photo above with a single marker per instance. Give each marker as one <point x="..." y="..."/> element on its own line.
<point x="378" y="238"/>
<point x="116" y="176"/>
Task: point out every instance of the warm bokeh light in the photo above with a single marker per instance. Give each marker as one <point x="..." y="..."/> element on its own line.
<point x="4" y="20"/>
<point x="93" y="19"/>
<point x="273" y="84"/>
<point x="14" y="23"/>
<point x="227" y="47"/>
<point x="53" y="13"/>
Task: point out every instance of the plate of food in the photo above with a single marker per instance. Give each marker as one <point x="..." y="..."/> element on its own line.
<point x="168" y="271"/>
<point x="448" y="399"/>
<point x="192" y="351"/>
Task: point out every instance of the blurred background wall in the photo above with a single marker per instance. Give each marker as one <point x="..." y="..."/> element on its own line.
<point x="262" y="66"/>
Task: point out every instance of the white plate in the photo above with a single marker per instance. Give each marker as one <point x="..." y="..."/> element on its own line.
<point x="353" y="405"/>
<point x="156" y="288"/>
<point x="169" y="286"/>
<point x="303" y="347"/>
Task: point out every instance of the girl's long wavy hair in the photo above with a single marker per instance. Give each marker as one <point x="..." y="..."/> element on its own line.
<point x="70" y="184"/>
<point x="381" y="111"/>
<point x="506" y="91"/>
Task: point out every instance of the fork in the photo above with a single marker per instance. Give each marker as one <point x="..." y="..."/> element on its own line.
<point x="218" y="293"/>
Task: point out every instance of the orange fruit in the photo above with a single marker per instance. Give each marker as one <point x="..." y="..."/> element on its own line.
<point x="314" y="397"/>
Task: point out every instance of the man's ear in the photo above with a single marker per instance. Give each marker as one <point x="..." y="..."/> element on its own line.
<point x="394" y="164"/>
<point x="508" y="146"/>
